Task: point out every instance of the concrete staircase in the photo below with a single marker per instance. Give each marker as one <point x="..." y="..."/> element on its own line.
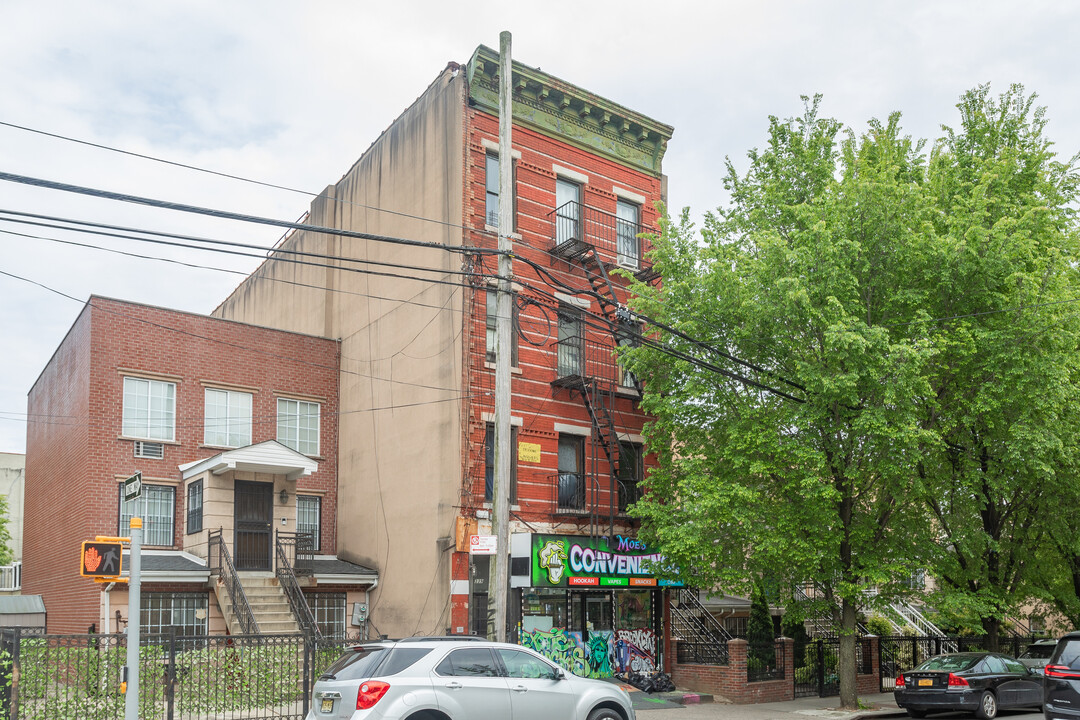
<point x="268" y="604"/>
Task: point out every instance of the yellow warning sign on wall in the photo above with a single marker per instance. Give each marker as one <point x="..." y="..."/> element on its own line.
<point x="528" y="452"/>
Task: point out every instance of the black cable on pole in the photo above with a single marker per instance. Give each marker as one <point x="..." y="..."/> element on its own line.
<point x="227" y="215"/>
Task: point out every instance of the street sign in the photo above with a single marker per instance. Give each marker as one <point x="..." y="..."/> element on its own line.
<point x="101" y="559"/>
<point x="133" y="487"/>
<point x="482" y="544"/>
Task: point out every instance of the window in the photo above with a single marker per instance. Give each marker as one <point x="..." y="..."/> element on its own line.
<point x="227" y="418"/>
<point x="468" y="662"/>
<point x="194" y="507"/>
<point x="329" y="612"/>
<point x="491" y="186"/>
<point x="736" y="626"/>
<point x="570" y="350"/>
<point x="298" y="425"/>
<point x="159" y="611"/>
<point x="308" y="515"/>
<point x="567" y="211"/>
<point x="630" y="475"/>
<point x="489" y="462"/>
<point x="156" y="506"/>
<point x="627" y="227"/>
<point x="571" y="472"/>
<point x="492" y="297"/>
<point x="149" y="409"/>
<point x="520" y="664"/>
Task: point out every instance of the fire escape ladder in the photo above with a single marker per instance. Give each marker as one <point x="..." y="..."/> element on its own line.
<point x="601" y="283"/>
<point x="599" y="404"/>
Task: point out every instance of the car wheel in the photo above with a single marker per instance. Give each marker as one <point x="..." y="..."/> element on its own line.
<point x="605" y="714"/>
<point x="988" y="707"/>
<point x="916" y="713"/>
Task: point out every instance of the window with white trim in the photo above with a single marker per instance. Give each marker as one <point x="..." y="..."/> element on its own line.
<point x="226" y="418"/>
<point x="627" y="227"/>
<point x="491" y="190"/>
<point x="298" y="425"/>
<point x="567" y="210"/>
<point x="159" y="611"/>
<point x="156" y="505"/>
<point x="194" y="507"/>
<point x="308" y="516"/>
<point x="489" y="462"/>
<point x="149" y="409"/>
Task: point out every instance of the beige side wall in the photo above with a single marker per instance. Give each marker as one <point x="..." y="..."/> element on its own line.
<point x="400" y="430"/>
<point x="12" y="480"/>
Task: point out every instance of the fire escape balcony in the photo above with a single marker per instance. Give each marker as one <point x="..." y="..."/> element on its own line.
<point x="577" y="228"/>
<point x="580" y="362"/>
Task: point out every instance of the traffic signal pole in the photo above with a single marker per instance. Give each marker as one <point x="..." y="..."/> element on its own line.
<point x="131" y="698"/>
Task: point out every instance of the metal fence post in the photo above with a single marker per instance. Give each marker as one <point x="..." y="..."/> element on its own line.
<point x="820" y="667"/>
<point x="170" y="674"/>
<point x="16" y="670"/>
<point x="308" y="667"/>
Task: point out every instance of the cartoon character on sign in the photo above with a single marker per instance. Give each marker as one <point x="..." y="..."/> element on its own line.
<point x="551" y="559"/>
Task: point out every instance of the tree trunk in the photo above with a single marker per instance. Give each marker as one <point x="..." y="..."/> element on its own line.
<point x="849" y="693"/>
<point x="993" y="633"/>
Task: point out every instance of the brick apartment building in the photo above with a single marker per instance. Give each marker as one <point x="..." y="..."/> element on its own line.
<point x="234" y="429"/>
<point x="416" y="327"/>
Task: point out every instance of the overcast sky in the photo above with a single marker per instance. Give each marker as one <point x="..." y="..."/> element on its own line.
<point x="292" y="93"/>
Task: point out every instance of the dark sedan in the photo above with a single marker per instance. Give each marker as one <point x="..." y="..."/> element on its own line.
<point x="977" y="682"/>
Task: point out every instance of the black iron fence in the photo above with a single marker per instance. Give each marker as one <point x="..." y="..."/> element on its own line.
<point x="764" y="661"/>
<point x="900" y="653"/>
<point x="254" y="677"/>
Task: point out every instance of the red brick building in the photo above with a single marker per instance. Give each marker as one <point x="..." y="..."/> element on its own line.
<point x="234" y="429"/>
<point x="416" y="324"/>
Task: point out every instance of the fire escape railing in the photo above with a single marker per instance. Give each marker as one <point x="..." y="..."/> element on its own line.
<point x="299" y="546"/>
<point x="221" y="564"/>
<point x="576" y="227"/>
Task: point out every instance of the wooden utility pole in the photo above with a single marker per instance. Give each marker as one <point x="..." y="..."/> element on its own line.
<point x="497" y="590"/>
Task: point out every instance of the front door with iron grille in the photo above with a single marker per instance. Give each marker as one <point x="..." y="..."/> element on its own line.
<point x="254" y="509"/>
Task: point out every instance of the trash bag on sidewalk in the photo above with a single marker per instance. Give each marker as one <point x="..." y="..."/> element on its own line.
<point x="651" y="682"/>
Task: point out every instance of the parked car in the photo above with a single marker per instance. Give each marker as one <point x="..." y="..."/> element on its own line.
<point x="978" y="682"/>
<point x="461" y="678"/>
<point x="1061" y="682"/>
<point x="1038" y="654"/>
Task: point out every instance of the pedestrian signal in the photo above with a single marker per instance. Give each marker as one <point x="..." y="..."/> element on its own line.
<point x="101" y="559"/>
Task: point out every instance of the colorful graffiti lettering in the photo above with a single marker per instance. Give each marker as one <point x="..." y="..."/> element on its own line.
<point x="635" y="651"/>
<point x="605" y="653"/>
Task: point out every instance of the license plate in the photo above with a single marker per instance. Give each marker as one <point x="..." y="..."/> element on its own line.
<point x="922" y="683"/>
<point x="327" y="706"/>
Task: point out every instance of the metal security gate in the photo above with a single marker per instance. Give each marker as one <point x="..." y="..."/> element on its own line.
<point x="816" y="668"/>
<point x="254" y="510"/>
<point x="900" y="653"/>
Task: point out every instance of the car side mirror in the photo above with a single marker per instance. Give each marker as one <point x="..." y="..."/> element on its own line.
<point x="559" y="674"/>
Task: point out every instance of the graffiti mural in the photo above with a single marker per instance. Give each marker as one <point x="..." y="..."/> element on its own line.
<point x="635" y="651"/>
<point x="605" y="654"/>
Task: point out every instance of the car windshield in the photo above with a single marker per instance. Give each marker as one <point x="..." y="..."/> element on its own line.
<point x="1038" y="652"/>
<point x="356" y="664"/>
<point x="949" y="663"/>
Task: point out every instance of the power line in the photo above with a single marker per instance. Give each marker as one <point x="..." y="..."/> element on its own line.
<point x="227" y="215"/>
<point x="225" y="342"/>
<point x="229" y="176"/>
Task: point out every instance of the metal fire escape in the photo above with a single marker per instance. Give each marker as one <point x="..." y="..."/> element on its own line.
<point x="587" y="366"/>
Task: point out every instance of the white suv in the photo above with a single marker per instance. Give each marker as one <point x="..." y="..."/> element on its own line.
<point x="459" y="678"/>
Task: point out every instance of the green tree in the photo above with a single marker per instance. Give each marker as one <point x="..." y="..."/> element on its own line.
<point x="5" y="534"/>
<point x="759" y="629"/>
<point x="800" y="454"/>
<point x="1005" y="390"/>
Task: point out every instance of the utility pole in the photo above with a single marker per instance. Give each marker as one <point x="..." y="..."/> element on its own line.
<point x="497" y="590"/>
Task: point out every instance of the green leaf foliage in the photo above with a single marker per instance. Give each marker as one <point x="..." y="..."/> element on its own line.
<point x="867" y="409"/>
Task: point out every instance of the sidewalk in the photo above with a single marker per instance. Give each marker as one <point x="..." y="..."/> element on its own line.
<point x="878" y="706"/>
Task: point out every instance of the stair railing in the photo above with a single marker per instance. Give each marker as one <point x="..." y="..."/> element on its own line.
<point x="703" y="638"/>
<point x="286" y="576"/>
<point x="221" y="564"/>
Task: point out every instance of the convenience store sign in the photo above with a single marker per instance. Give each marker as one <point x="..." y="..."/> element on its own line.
<point x="572" y="561"/>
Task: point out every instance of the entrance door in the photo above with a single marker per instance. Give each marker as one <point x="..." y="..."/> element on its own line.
<point x="254" y="512"/>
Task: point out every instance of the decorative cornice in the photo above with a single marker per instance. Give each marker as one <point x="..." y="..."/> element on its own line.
<point x="559" y="109"/>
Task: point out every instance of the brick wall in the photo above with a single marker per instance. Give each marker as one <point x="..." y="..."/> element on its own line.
<point x="74" y="448"/>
